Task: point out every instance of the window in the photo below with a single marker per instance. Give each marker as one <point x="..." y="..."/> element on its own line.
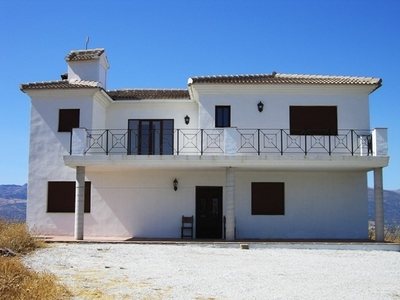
<point x="267" y="198"/>
<point x="61" y="196"/>
<point x="313" y="120"/>
<point x="68" y="119"/>
<point x="151" y="137"/>
<point x="223" y="116"/>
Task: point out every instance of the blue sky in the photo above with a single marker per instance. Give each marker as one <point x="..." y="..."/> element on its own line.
<point x="159" y="44"/>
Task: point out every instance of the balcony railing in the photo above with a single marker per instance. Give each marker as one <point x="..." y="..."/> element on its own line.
<point x="229" y="141"/>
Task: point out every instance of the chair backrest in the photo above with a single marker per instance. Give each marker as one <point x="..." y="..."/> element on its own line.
<point x="187" y="220"/>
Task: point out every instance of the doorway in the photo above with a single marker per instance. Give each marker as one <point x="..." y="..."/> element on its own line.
<point x="208" y="212"/>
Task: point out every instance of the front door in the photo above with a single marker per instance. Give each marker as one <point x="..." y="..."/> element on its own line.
<point x="208" y="212"/>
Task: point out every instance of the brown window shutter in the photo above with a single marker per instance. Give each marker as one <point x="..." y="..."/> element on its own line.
<point x="61" y="196"/>
<point x="313" y="120"/>
<point x="68" y="119"/>
<point x="267" y="198"/>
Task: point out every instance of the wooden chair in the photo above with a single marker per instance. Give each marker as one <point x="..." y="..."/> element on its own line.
<point x="187" y="227"/>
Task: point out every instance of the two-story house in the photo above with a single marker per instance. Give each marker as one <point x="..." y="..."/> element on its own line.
<point x="266" y="156"/>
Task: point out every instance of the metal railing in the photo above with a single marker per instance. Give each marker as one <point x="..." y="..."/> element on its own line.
<point x="218" y="141"/>
<point x="280" y="141"/>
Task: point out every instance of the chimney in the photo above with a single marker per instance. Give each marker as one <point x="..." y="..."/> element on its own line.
<point x="89" y="65"/>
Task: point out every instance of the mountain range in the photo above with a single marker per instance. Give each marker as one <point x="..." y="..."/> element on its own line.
<point x="13" y="203"/>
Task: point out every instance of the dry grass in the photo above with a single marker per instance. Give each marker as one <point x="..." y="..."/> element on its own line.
<point x="16" y="237"/>
<point x="391" y="234"/>
<point x="16" y="280"/>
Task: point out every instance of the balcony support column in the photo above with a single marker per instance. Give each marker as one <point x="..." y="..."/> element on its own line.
<point x="230" y="204"/>
<point x="379" y="212"/>
<point x="79" y="202"/>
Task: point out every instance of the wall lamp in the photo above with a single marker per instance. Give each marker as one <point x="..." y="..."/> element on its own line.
<point x="175" y="183"/>
<point x="187" y="120"/>
<point x="260" y="106"/>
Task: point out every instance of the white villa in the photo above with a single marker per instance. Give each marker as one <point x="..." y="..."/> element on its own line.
<point x="265" y="156"/>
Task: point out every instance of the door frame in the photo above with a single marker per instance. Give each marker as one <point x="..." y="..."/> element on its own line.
<point x="219" y="229"/>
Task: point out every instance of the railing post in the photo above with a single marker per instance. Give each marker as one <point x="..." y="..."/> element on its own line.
<point x="305" y="144"/>
<point x="281" y="141"/>
<point x="330" y="149"/>
<point x="201" y="141"/>
<point x="70" y="143"/>
<point x="352" y="142"/>
<point x="177" y="142"/>
<point x="106" y="141"/>
<point x="258" y="141"/>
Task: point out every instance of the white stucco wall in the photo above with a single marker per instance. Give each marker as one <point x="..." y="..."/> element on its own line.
<point x="317" y="205"/>
<point x="142" y="203"/>
<point x="352" y="104"/>
<point x="99" y="113"/>
<point x="48" y="146"/>
<point x="119" y="112"/>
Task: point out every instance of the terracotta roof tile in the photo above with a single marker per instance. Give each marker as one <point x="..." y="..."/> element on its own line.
<point x="89" y="54"/>
<point x="279" y="78"/>
<point x="60" y="84"/>
<point x="141" y="94"/>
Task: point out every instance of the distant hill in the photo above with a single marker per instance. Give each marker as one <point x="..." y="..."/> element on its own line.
<point x="13" y="191"/>
<point x="391" y="205"/>
<point x="13" y="203"/>
<point x="13" y="209"/>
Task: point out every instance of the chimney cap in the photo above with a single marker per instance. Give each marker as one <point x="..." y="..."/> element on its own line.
<point x="89" y="54"/>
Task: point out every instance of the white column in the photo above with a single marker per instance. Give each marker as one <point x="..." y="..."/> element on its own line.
<point x="230" y="204"/>
<point x="379" y="217"/>
<point x="79" y="202"/>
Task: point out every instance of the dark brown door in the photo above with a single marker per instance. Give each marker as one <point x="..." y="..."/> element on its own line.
<point x="208" y="212"/>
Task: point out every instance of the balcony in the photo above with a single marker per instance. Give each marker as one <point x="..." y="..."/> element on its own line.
<point x="227" y="141"/>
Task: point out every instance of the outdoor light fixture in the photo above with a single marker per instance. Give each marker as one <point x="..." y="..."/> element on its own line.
<point x="187" y="120"/>
<point x="175" y="183"/>
<point x="260" y="106"/>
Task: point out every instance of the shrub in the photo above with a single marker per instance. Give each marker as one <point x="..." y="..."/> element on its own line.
<point x="16" y="237"/>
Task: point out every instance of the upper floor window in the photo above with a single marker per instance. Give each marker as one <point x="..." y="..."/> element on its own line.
<point x="222" y="116"/>
<point x="313" y="120"/>
<point x="68" y="119"/>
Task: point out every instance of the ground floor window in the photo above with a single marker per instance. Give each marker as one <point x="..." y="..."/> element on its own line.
<point x="267" y="198"/>
<point x="61" y="196"/>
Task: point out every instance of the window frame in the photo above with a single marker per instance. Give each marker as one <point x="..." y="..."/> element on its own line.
<point x="221" y="123"/>
<point x="261" y="197"/>
<point x="66" y="193"/>
<point x="67" y="122"/>
<point x="313" y="120"/>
